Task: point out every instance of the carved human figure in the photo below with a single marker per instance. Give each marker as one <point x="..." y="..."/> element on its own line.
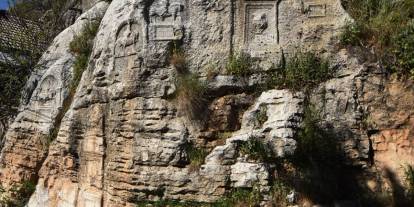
<point x="47" y="91"/>
<point x="127" y="37"/>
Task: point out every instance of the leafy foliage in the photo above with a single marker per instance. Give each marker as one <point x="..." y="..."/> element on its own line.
<point x="239" y="65"/>
<point x="20" y="193"/>
<point x="386" y="27"/>
<point x="240" y="197"/>
<point x="404" y="50"/>
<point x="301" y="71"/>
<point x="170" y="203"/>
<point x="314" y="144"/>
<point x="255" y="149"/>
<point x="261" y="116"/>
<point x="38" y="21"/>
<point x="279" y="192"/>
<point x="237" y="197"/>
<point x="48" y="15"/>
<point x="14" y="72"/>
<point x="81" y="46"/>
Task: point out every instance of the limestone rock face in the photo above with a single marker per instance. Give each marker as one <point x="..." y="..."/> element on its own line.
<point x="26" y="139"/>
<point x="123" y="140"/>
<point x="87" y="4"/>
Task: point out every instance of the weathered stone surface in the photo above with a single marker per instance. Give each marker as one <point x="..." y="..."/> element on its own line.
<point x="388" y="103"/>
<point x="226" y="112"/>
<point x="87" y="4"/>
<point x="26" y="139"/>
<point x="123" y="140"/>
<point x="245" y="174"/>
<point x="339" y="106"/>
<point x="370" y="113"/>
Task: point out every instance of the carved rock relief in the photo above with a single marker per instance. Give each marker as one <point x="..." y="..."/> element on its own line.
<point x="214" y="5"/>
<point x="269" y="26"/>
<point x="128" y="39"/>
<point x="166" y="20"/>
<point x="314" y="8"/>
<point x="45" y="100"/>
<point x="47" y="91"/>
<point x="258" y="22"/>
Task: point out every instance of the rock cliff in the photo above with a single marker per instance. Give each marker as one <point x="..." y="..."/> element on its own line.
<point x="123" y="139"/>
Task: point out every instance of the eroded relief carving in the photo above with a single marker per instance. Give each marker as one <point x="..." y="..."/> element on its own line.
<point x="128" y="37"/>
<point x="46" y="98"/>
<point x="127" y="46"/>
<point x="166" y="19"/>
<point x="260" y="27"/>
<point x="315" y="10"/>
<point x="47" y="90"/>
<point x="259" y="23"/>
<point x="215" y="5"/>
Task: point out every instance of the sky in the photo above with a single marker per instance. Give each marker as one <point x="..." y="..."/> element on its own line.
<point x="4" y="4"/>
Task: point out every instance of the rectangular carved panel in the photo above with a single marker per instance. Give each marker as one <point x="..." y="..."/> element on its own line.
<point x="260" y="27"/>
<point x="164" y="32"/>
<point x="316" y="10"/>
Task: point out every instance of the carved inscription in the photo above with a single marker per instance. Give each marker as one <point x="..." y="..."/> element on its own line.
<point x="164" y="32"/>
<point x="166" y="20"/>
<point x="316" y="10"/>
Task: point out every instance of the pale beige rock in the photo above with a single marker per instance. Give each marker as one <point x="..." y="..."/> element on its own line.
<point x="124" y="141"/>
<point x="26" y="139"/>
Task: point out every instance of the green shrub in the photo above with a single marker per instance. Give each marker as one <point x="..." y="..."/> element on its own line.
<point x="19" y="194"/>
<point x="196" y="156"/>
<point x="384" y="26"/>
<point x="255" y="149"/>
<point x="81" y="46"/>
<point x="351" y="34"/>
<point x="279" y="192"/>
<point x="13" y="78"/>
<point x="239" y="65"/>
<point x="404" y="51"/>
<point x="237" y="197"/>
<point x="315" y="144"/>
<point x="191" y="95"/>
<point x="409" y="180"/>
<point x="301" y="71"/>
<point x="240" y="197"/>
<point x="170" y="203"/>
<point x="261" y="116"/>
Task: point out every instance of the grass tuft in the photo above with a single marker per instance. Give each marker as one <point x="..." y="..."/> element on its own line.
<point x="300" y="72"/>
<point x="196" y="156"/>
<point x="178" y="60"/>
<point x="239" y="65"/>
<point x="255" y="149"/>
<point x="190" y="96"/>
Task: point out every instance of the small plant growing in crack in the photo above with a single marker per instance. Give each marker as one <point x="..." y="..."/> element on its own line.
<point x="261" y="116"/>
<point x="196" y="156"/>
